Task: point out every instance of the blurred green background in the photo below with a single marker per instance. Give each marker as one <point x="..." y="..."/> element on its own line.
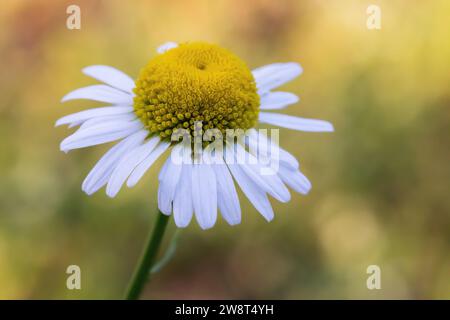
<point x="381" y="182"/>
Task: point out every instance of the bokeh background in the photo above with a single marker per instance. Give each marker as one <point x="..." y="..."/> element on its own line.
<point x="381" y="182"/>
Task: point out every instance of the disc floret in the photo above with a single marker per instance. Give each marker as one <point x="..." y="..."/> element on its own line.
<point x="196" y="82"/>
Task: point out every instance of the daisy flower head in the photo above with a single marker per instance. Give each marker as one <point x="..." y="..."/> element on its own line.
<point x="202" y="104"/>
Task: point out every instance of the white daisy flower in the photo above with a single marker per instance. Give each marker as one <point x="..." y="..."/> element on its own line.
<point x="184" y="85"/>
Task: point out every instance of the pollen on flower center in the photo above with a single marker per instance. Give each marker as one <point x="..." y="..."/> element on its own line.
<point x="196" y="82"/>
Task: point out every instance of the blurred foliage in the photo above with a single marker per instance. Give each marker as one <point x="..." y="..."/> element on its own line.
<point x="380" y="182"/>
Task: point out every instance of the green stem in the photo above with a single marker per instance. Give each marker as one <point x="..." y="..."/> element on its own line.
<point x="142" y="272"/>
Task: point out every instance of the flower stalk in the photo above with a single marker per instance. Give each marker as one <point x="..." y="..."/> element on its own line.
<point x="142" y="273"/>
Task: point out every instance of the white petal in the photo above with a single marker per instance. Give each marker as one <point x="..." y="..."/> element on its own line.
<point x="255" y="194"/>
<point x="295" y="123"/>
<point x="204" y="195"/>
<point x="101" y="172"/>
<point x="93" y="113"/>
<point x="265" y="177"/>
<point x="277" y="100"/>
<point x="142" y="168"/>
<point x="162" y="171"/>
<point x="98" y="134"/>
<point x="295" y="179"/>
<point x="127" y="117"/>
<point x="266" y="70"/>
<point x="227" y="198"/>
<point x="74" y="124"/>
<point x="111" y="76"/>
<point x="168" y="184"/>
<point x="166" y="47"/>
<point x="100" y="92"/>
<point x="262" y="146"/>
<point x="274" y="75"/>
<point x="127" y="164"/>
<point x="182" y="203"/>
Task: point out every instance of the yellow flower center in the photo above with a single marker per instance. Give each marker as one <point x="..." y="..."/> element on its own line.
<point x="196" y="82"/>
